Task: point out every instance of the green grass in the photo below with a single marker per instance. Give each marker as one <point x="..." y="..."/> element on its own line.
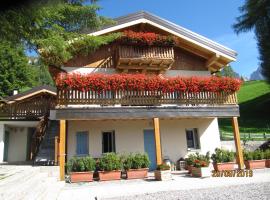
<point x="254" y="102"/>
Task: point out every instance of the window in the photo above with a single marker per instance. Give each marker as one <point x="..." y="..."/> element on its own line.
<point x="82" y="141"/>
<point x="108" y="141"/>
<point x="192" y="138"/>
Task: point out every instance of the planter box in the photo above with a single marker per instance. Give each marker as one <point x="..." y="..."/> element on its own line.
<point x="137" y="173"/>
<point x="189" y="168"/>
<point x="223" y="166"/>
<point x="76" y="177"/>
<point x="109" y="175"/>
<point x="267" y="163"/>
<point x="201" y="172"/>
<point x="255" y="164"/>
<point x="164" y="175"/>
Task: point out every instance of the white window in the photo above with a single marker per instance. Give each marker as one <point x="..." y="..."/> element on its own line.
<point x="192" y="137"/>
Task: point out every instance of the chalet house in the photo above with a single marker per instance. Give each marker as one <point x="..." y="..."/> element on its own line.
<point x="153" y="92"/>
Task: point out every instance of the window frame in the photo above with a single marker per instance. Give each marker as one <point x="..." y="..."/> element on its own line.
<point x="196" y="139"/>
<point x="113" y="146"/>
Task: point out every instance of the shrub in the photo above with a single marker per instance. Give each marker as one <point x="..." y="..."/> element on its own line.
<point x="163" y="167"/>
<point x="190" y="159"/>
<point x="201" y="160"/>
<point x="109" y="162"/>
<point x="267" y="154"/>
<point x="135" y="161"/>
<point x="81" y="164"/>
<point x="222" y="156"/>
<point x="254" y="155"/>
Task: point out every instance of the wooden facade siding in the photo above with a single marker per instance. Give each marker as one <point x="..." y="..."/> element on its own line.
<point x="143" y="98"/>
<point x="112" y="113"/>
<point x="31" y="108"/>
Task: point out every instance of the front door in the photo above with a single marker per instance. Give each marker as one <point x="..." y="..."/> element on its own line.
<point x="150" y="147"/>
<point x="6" y="144"/>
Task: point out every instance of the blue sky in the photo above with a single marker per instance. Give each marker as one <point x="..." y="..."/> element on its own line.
<point x="210" y="18"/>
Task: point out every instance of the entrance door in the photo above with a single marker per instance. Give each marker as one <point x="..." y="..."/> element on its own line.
<point x="6" y="144"/>
<point x="150" y="147"/>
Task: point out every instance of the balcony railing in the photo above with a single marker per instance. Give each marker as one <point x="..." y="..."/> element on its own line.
<point x="29" y="109"/>
<point x="143" y="98"/>
<point x="152" y="57"/>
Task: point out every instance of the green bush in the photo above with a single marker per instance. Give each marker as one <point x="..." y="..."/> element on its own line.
<point x="222" y="156"/>
<point x="254" y="155"/>
<point x="135" y="161"/>
<point x="81" y="164"/>
<point x="109" y="162"/>
<point x="267" y="154"/>
<point x="190" y="159"/>
<point x="201" y="160"/>
<point x="163" y="167"/>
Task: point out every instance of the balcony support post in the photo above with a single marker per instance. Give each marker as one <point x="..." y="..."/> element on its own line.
<point x="157" y="141"/>
<point x="62" y="149"/>
<point x="239" y="153"/>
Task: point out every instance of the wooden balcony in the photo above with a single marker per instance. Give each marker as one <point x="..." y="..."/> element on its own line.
<point x="143" y="98"/>
<point x="32" y="108"/>
<point x="147" y="58"/>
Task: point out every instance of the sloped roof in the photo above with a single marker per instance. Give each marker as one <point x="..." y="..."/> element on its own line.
<point x="36" y="90"/>
<point x="146" y="17"/>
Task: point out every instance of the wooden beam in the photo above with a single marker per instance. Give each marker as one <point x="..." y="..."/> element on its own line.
<point x="212" y="60"/>
<point x="157" y="141"/>
<point x="56" y="150"/>
<point x="239" y="153"/>
<point x="62" y="149"/>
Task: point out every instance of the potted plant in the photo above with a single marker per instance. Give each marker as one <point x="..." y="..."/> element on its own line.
<point x="109" y="167"/>
<point x="189" y="162"/>
<point x="200" y="167"/>
<point x="163" y="172"/>
<point x="254" y="159"/>
<point x="136" y="165"/>
<point x="223" y="159"/>
<point x="267" y="158"/>
<point x="81" y="169"/>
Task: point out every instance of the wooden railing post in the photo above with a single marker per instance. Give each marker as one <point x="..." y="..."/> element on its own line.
<point x="157" y="141"/>
<point x="239" y="153"/>
<point x="62" y="149"/>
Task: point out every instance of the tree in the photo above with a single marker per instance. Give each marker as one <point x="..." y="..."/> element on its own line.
<point x="15" y="72"/>
<point x="256" y="15"/>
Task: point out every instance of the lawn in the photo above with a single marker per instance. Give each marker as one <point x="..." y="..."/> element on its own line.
<point x="254" y="121"/>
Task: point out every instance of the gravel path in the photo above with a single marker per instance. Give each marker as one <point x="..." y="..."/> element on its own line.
<point x="258" y="191"/>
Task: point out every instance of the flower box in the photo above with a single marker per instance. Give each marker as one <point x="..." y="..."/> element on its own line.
<point x="163" y="175"/>
<point x="109" y="175"/>
<point x="267" y="163"/>
<point x="137" y="173"/>
<point x="76" y="177"/>
<point x="223" y="166"/>
<point x="200" y="172"/>
<point x="255" y="164"/>
<point x="189" y="168"/>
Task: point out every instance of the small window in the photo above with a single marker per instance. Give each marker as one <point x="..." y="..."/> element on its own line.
<point x="108" y="141"/>
<point x="82" y="147"/>
<point x="192" y="138"/>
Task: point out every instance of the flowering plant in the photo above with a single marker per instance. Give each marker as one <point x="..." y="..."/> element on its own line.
<point x="145" y="39"/>
<point x="201" y="160"/>
<point x="141" y="82"/>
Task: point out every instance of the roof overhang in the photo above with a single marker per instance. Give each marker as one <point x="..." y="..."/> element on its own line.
<point x="219" y="51"/>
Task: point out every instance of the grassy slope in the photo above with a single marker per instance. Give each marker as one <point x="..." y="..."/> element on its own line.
<point x="254" y="101"/>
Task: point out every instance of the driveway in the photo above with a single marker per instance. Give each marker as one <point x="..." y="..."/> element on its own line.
<point x="181" y="187"/>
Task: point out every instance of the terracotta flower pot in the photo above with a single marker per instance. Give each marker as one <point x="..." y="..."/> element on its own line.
<point x="137" y="173"/>
<point x="267" y="163"/>
<point x="223" y="166"/>
<point x="255" y="164"/>
<point x="201" y="172"/>
<point x="76" y="177"/>
<point x="189" y="168"/>
<point x="163" y="175"/>
<point x="109" y="175"/>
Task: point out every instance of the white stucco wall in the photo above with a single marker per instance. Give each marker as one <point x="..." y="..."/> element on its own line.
<point x="129" y="135"/>
<point x="2" y="139"/>
<point x="17" y="146"/>
<point x="86" y="70"/>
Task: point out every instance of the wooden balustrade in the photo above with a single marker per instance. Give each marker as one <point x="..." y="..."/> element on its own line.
<point x="137" y="57"/>
<point x="142" y="98"/>
<point x="28" y="109"/>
